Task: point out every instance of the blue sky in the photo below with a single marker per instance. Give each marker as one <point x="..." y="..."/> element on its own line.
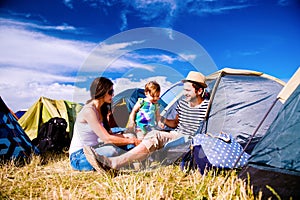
<point x="55" y="48"/>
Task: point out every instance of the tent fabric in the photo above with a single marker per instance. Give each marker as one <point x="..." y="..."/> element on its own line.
<point x="227" y="71"/>
<point x="44" y="109"/>
<point x="279" y="148"/>
<point x="20" y="113"/>
<point x="123" y="104"/>
<point x="239" y="102"/>
<point x="275" y="160"/>
<point x="131" y="97"/>
<point x="14" y="143"/>
<point x="284" y="185"/>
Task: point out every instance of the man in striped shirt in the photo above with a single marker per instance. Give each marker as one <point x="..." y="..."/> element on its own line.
<point x="191" y="112"/>
<point x="192" y="109"/>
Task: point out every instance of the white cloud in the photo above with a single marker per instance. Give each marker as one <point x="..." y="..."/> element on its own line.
<point x="28" y="25"/>
<point x="160" y="11"/>
<point x="203" y="7"/>
<point x="219" y="10"/>
<point x="249" y="53"/>
<point x="121" y="84"/>
<point x="170" y="33"/>
<point x="124" y="21"/>
<point x="150" y="10"/>
<point x="283" y="2"/>
<point x="127" y="64"/>
<point x="28" y="49"/>
<point x="68" y="3"/>
<point x="15" y="76"/>
<point x="165" y="12"/>
<point x="162" y="58"/>
<point x="116" y="56"/>
<point x="22" y="93"/>
<point x="21" y="87"/>
<point x="26" y="97"/>
<point x="34" y="64"/>
<point x="188" y="57"/>
<point x="105" y="48"/>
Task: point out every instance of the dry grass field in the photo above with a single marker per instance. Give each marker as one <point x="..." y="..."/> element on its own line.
<point x="53" y="178"/>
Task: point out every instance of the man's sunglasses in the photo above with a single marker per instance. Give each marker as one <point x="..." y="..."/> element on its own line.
<point x="110" y="92"/>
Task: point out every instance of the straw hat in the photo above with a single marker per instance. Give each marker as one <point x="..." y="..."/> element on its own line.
<point x="196" y="77"/>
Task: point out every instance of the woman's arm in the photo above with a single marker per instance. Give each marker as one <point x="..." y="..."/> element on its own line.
<point x="91" y="118"/>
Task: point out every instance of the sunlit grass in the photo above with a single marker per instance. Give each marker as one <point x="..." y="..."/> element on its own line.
<point x="55" y="179"/>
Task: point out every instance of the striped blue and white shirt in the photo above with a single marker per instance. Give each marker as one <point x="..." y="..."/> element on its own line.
<point x="190" y="117"/>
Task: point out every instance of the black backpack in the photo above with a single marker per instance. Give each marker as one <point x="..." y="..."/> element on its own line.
<point x="52" y="136"/>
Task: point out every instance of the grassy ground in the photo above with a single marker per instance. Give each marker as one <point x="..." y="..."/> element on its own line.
<point x="56" y="180"/>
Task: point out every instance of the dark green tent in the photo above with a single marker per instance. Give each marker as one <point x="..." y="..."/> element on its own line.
<point x="275" y="160"/>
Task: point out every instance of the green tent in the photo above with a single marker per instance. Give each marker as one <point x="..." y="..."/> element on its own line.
<point x="275" y="160"/>
<point x="45" y="109"/>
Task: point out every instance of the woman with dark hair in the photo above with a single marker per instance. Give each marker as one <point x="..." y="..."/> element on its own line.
<point x="92" y="127"/>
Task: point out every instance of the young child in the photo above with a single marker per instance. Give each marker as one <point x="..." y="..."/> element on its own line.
<point x="145" y="113"/>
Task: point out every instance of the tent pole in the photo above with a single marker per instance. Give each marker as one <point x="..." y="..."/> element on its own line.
<point x="251" y="137"/>
<point x="213" y="94"/>
<point x="283" y="95"/>
<point x="254" y="133"/>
